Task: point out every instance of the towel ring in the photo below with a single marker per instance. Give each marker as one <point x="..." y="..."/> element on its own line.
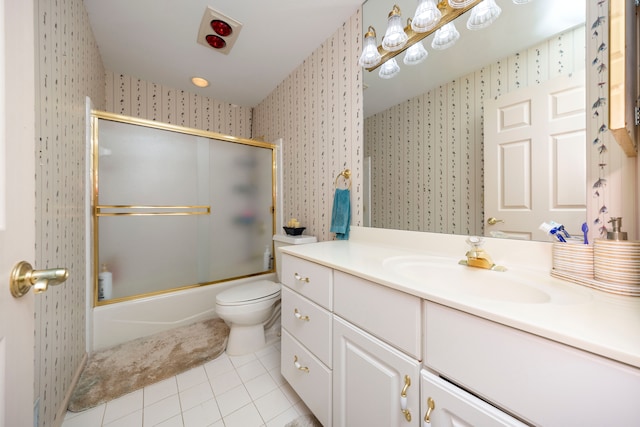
<point x="346" y="174"/>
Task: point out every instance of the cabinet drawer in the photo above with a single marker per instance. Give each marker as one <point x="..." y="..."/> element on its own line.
<point x="312" y="280"/>
<point x="308" y="377"/>
<point x="539" y="380"/>
<point x="309" y="323"/>
<point x="452" y="406"/>
<point x="391" y="315"/>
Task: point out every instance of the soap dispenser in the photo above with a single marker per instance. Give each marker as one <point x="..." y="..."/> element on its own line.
<point x="616" y="234"/>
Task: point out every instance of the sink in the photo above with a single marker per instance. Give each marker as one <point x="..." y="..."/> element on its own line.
<point x="514" y="286"/>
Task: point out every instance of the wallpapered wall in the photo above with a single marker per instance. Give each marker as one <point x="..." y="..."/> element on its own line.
<point x="427" y="153"/>
<point x="135" y="97"/>
<point x="68" y="68"/>
<point x="317" y="111"/>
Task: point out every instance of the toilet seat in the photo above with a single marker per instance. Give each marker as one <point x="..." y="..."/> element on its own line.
<point x="250" y="293"/>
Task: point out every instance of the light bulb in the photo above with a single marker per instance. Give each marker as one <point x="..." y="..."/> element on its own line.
<point x="415" y="54"/>
<point x="370" y="56"/>
<point x="445" y="37"/>
<point x="459" y="4"/>
<point x="395" y="38"/>
<point x="483" y="15"/>
<point x="426" y="17"/>
<point x="389" y="69"/>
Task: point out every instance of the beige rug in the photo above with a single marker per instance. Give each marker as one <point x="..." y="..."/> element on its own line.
<point x="305" y="421"/>
<point x="127" y="367"/>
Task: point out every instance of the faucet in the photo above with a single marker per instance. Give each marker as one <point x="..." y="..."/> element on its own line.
<point x="478" y="257"/>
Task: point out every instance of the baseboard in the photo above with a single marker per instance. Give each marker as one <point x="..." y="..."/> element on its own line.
<point x="62" y="410"/>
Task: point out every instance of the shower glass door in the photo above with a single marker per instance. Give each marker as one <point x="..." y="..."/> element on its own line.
<point x="176" y="207"/>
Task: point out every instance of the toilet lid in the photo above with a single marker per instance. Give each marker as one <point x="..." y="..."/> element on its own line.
<point x="248" y="293"/>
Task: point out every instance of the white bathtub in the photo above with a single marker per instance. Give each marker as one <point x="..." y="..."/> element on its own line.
<point x="117" y="323"/>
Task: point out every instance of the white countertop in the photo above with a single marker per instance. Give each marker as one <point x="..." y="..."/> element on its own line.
<point x="591" y="320"/>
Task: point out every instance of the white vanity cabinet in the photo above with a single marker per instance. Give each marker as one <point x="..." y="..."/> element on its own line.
<point x="376" y="351"/>
<point x="543" y="382"/>
<point x="306" y="355"/>
<point x="374" y="384"/>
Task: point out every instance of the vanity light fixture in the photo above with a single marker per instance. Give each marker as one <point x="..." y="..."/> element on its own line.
<point x="389" y="69"/>
<point x="430" y="17"/>
<point x="415" y="54"/>
<point x="395" y="38"/>
<point x="483" y="15"/>
<point x="445" y="37"/>
<point x="370" y="56"/>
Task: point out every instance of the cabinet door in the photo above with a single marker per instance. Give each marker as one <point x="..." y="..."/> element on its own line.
<point x="368" y="380"/>
<point x="452" y="406"/>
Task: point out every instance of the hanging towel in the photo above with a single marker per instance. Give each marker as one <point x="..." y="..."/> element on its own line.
<point x="341" y="215"/>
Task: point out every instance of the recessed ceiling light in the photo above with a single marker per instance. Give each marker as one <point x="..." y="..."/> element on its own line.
<point x="199" y="81"/>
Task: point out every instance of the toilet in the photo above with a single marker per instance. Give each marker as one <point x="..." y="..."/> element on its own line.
<point x="252" y="307"/>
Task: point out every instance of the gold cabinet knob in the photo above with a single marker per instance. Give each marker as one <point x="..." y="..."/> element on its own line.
<point x="23" y="277"/>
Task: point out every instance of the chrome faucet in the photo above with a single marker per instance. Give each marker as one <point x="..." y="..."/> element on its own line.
<point x="478" y="257"/>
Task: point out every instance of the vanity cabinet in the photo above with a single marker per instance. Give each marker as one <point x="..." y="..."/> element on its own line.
<point x="376" y="352"/>
<point x="359" y="353"/>
<point x="306" y="354"/>
<point x="538" y="380"/>
<point x="374" y="384"/>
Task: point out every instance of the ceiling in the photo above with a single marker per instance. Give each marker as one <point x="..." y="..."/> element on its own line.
<point x="155" y="40"/>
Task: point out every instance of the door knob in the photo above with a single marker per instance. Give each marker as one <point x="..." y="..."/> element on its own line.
<point x="493" y="221"/>
<point x="23" y="276"/>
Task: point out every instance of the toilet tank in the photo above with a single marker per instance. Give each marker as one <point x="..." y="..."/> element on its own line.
<point x="280" y="240"/>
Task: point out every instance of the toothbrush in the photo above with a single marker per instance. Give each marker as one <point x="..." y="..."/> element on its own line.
<point x="557" y="234"/>
<point x="585" y="230"/>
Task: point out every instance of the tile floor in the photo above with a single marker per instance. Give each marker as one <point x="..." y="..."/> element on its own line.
<point x="230" y="391"/>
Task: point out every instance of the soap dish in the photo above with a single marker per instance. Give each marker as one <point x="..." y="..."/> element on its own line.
<point x="294" y="231"/>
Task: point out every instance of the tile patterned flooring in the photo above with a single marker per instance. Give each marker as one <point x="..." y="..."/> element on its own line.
<point x="230" y="391"/>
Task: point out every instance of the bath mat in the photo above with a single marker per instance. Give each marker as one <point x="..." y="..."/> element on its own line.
<point x="305" y="421"/>
<point x="127" y="367"/>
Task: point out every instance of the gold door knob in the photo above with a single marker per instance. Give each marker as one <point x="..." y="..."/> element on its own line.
<point x="493" y="221"/>
<point x="23" y="276"/>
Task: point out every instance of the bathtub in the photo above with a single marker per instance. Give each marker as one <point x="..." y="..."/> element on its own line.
<point x="121" y="322"/>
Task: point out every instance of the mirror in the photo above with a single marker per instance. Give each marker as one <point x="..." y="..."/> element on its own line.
<point x="438" y="185"/>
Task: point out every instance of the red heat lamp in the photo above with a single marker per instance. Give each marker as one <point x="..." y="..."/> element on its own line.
<point x="216" y="42"/>
<point x="221" y="28"/>
<point x="218" y="31"/>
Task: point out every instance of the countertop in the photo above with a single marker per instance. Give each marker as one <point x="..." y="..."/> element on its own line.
<point x="598" y="322"/>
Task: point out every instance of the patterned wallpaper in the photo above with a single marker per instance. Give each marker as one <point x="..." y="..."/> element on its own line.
<point x="68" y="68"/>
<point x="135" y="97"/>
<point x="317" y="111"/>
<point x="438" y="182"/>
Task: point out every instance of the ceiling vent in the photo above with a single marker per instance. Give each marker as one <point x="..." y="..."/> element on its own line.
<point x="217" y="31"/>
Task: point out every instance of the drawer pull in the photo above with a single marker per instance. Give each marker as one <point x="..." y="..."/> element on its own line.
<point x="299" y="278"/>
<point x="431" y="405"/>
<point x="299" y="366"/>
<point x="403" y="398"/>
<point x="300" y="316"/>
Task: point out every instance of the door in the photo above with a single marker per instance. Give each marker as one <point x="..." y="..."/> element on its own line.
<point x="535" y="159"/>
<point x="17" y="208"/>
<point x="373" y="383"/>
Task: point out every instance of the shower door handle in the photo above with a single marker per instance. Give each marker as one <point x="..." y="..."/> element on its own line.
<point x="23" y="277"/>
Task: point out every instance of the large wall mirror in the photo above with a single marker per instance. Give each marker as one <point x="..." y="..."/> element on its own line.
<point x="425" y="136"/>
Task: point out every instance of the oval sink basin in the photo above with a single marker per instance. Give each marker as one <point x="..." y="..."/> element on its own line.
<point x="513" y="286"/>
